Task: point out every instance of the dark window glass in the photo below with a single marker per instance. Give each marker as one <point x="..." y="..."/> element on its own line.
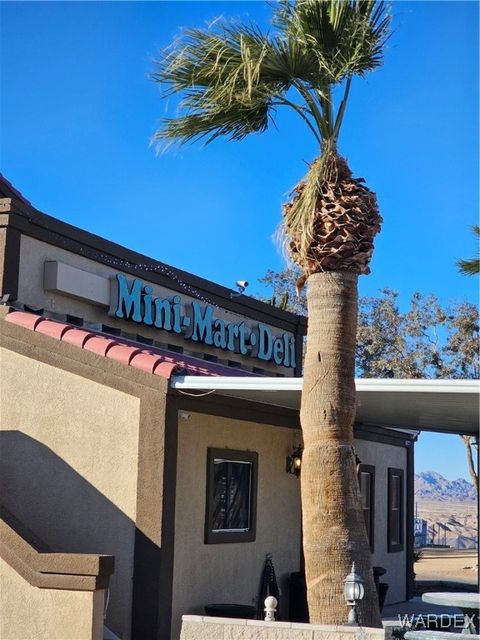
<point x="366" y="480"/>
<point x="231" y="496"/>
<point x="395" y="510"/>
<point x="231" y="499"/>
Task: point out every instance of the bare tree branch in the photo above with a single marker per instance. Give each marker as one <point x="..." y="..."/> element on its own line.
<point x="468" y="442"/>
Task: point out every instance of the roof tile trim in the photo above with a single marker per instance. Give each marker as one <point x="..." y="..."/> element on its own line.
<point x="155" y="361"/>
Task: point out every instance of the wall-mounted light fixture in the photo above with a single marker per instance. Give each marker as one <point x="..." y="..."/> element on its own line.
<point x="294" y="461"/>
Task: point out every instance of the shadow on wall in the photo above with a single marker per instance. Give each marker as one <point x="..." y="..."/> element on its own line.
<point x="70" y="515"/>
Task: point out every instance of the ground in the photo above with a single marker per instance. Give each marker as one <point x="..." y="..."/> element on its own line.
<point x="455" y="523"/>
<point x="458" y="565"/>
<point x="438" y="570"/>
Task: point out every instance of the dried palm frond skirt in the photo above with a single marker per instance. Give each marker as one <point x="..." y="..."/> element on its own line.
<point x="345" y="221"/>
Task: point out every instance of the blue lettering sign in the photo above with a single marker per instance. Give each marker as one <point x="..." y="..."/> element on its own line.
<point x="201" y="324"/>
<point x="265" y="342"/>
<point x="129" y="301"/>
<point x="134" y="301"/>
<point x="219" y="334"/>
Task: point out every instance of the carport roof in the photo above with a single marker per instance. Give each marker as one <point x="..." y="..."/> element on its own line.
<point x="449" y="406"/>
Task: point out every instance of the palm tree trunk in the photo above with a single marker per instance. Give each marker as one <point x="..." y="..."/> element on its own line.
<point x="334" y="532"/>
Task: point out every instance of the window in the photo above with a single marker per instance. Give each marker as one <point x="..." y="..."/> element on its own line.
<point x="395" y="510"/>
<point x="231" y="496"/>
<point x="366" y="480"/>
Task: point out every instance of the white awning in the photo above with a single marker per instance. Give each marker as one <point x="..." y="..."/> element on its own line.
<point x="450" y="406"/>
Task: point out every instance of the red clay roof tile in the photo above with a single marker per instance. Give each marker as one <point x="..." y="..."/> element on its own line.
<point x="146" y="361"/>
<point x="153" y="360"/>
<point x="98" y="344"/>
<point x="75" y="336"/>
<point x="26" y="319"/>
<point x="165" y="369"/>
<point x="122" y="353"/>
<point x="52" y="329"/>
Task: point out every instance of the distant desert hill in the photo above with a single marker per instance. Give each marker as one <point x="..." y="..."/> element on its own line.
<point x="449" y="507"/>
<point x="430" y="485"/>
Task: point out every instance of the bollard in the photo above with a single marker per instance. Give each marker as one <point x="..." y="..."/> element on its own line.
<point x="270" y="608"/>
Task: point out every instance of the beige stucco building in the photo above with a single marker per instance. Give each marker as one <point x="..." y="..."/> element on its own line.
<point x="101" y="452"/>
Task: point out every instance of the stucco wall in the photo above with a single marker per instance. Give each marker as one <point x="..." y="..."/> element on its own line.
<point x="383" y="456"/>
<point x="205" y="628"/>
<point x="30" y="613"/>
<point x="68" y="466"/>
<point x="231" y="572"/>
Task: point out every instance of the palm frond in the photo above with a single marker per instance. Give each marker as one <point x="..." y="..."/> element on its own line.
<point x="470" y="267"/>
<point x="231" y="78"/>
<point x="299" y="212"/>
<point x="228" y="79"/>
<point x="347" y="36"/>
<point x="213" y="121"/>
<point x="232" y="72"/>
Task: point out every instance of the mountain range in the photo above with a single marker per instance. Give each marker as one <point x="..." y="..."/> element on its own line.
<point x="432" y="486"/>
<point x="449" y="507"/>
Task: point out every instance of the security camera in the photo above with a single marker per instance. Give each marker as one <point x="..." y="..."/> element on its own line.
<point x="241" y="286"/>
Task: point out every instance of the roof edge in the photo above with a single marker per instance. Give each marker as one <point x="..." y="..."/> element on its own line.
<point x="397" y="385"/>
<point x="31" y="221"/>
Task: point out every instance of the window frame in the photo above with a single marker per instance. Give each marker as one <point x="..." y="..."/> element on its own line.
<point x="226" y="536"/>
<point x="394" y="547"/>
<point x="369" y="468"/>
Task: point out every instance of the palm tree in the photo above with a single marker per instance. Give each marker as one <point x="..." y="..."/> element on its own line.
<point x="231" y="79"/>
<point x="470" y="267"/>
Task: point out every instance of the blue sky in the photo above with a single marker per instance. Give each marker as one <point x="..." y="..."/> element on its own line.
<point x="78" y="111"/>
